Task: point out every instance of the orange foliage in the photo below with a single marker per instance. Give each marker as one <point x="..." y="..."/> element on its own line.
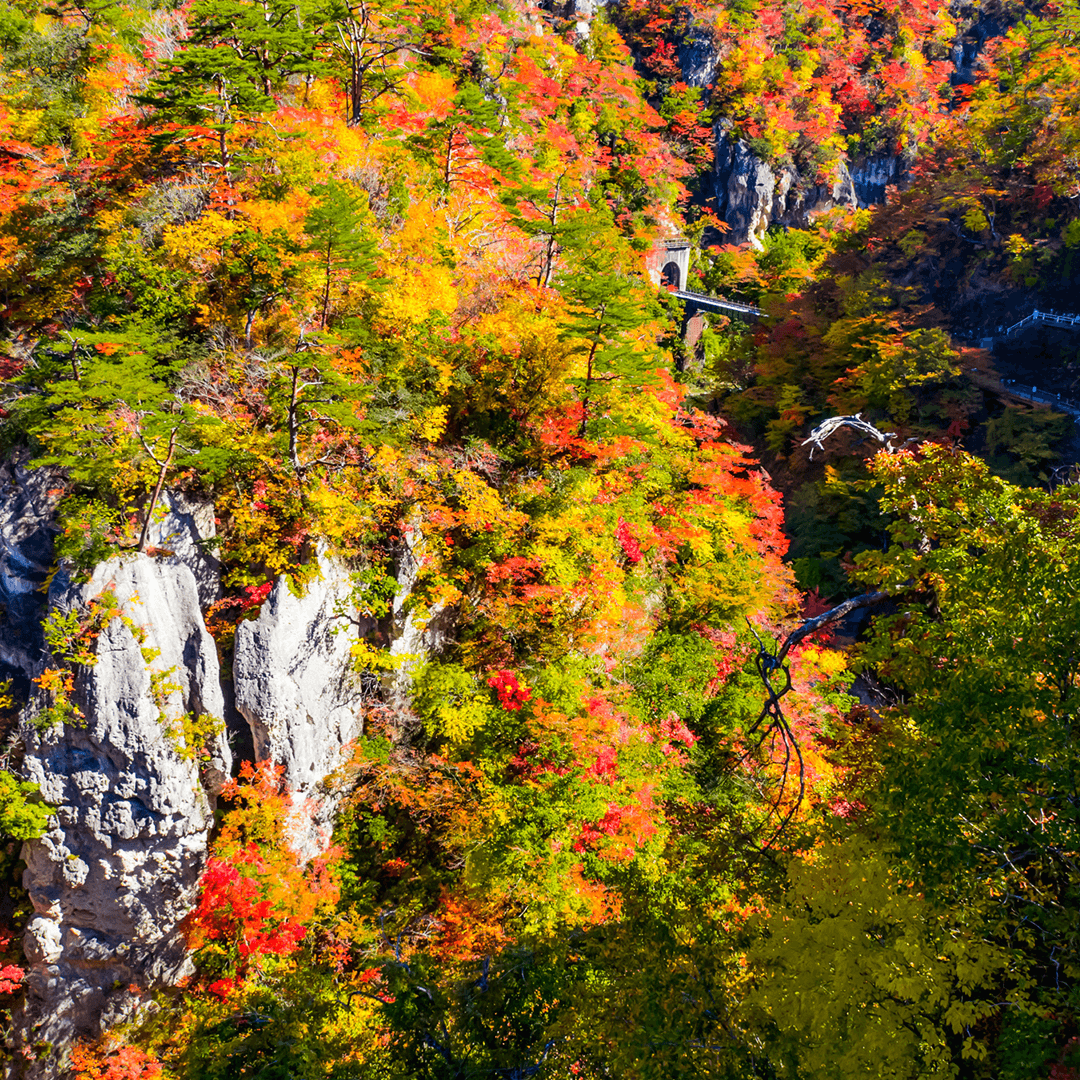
<point x="107" y="1061"/>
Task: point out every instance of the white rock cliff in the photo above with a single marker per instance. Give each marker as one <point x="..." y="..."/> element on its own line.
<point x="119" y="866"/>
<point x="297" y="687"/>
<point x="118" y="869"/>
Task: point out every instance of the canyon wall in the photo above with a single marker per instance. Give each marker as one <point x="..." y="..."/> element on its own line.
<point x="118" y="868"/>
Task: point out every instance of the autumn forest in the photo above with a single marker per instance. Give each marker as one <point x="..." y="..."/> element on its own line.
<point x="713" y="674"/>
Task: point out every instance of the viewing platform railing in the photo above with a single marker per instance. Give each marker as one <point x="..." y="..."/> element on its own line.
<point x="1054" y="318"/>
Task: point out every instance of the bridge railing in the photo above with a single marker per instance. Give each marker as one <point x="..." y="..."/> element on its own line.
<point x="715" y="301"/>
<point x="1071" y="322"/>
<point x="1033" y="393"/>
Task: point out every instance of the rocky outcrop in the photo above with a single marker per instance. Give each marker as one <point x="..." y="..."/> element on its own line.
<point x="581" y="13"/>
<point x="118" y="868"/>
<point x="698" y="59"/>
<point x="745" y="187"/>
<point x="797" y="202"/>
<point x="413" y="638"/>
<point x="988" y="21"/>
<point x="871" y="176"/>
<point x="26" y="555"/>
<point x="185" y="529"/>
<point x="297" y="686"/>
<point x="750" y="196"/>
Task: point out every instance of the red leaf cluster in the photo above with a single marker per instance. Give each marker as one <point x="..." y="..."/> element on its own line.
<point x="232" y="908"/>
<point x="512" y="695"/>
<point x="627" y="542"/>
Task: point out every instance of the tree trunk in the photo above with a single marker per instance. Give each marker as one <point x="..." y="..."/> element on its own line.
<point x="294" y="422"/>
<point x="326" y="289"/>
<point x="588" y="385"/>
<point x="163" y="468"/>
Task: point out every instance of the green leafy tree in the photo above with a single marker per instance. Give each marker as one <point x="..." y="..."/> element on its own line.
<point x="554" y="213"/>
<point x="259" y="270"/>
<point x="337" y="227"/>
<point x="365" y="44"/>
<point x="606" y="304"/>
<point x="979" y="780"/>
<point x="106" y="412"/>
<point x="238" y="56"/>
<point x="463" y="145"/>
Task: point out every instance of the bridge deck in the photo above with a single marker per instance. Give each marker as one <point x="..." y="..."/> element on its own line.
<point x="1011" y="388"/>
<point x="714" y="303"/>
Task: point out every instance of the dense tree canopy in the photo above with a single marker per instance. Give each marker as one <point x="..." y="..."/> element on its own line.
<point x="372" y="274"/>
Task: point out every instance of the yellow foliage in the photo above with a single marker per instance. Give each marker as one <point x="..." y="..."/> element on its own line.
<point x="336" y="510"/>
<point x="829" y="662"/>
<point x="25" y="124"/>
<point x="199" y="242"/>
<point x="354" y="149"/>
<point x="434" y="90"/>
<point x="321" y="96"/>
<point x="415" y="295"/>
<point x="481" y="506"/>
<point x="286" y="214"/>
<point x="368" y="658"/>
<point x="9" y="252"/>
<point x="431" y="423"/>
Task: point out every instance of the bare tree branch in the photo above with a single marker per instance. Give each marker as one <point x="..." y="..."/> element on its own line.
<point x="830" y="616"/>
<point x="834" y="423"/>
<point x="771" y="722"/>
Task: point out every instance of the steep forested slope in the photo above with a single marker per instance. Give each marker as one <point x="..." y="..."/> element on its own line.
<point x="359" y="294"/>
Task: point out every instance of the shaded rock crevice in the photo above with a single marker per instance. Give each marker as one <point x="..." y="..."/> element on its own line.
<point x="27" y="530"/>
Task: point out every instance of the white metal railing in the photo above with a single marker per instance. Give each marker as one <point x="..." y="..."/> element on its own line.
<point x="1055" y="318"/>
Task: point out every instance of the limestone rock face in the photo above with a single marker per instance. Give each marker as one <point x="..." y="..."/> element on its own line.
<point x="412" y="639"/>
<point x="580" y="12"/>
<point x="184" y="527"/>
<point x="26" y="555"/>
<point x="797" y="204"/>
<point x="872" y="175"/>
<point x="118" y="868"/>
<point x="751" y="196"/>
<point x="745" y="187"/>
<point x="297" y="688"/>
<point x="698" y="58"/>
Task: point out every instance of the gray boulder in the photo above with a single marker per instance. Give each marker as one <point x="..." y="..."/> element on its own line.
<point x="796" y="203"/>
<point x="119" y="866"/>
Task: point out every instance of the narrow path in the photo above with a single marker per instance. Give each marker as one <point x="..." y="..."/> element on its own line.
<point x="1031" y="394"/>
